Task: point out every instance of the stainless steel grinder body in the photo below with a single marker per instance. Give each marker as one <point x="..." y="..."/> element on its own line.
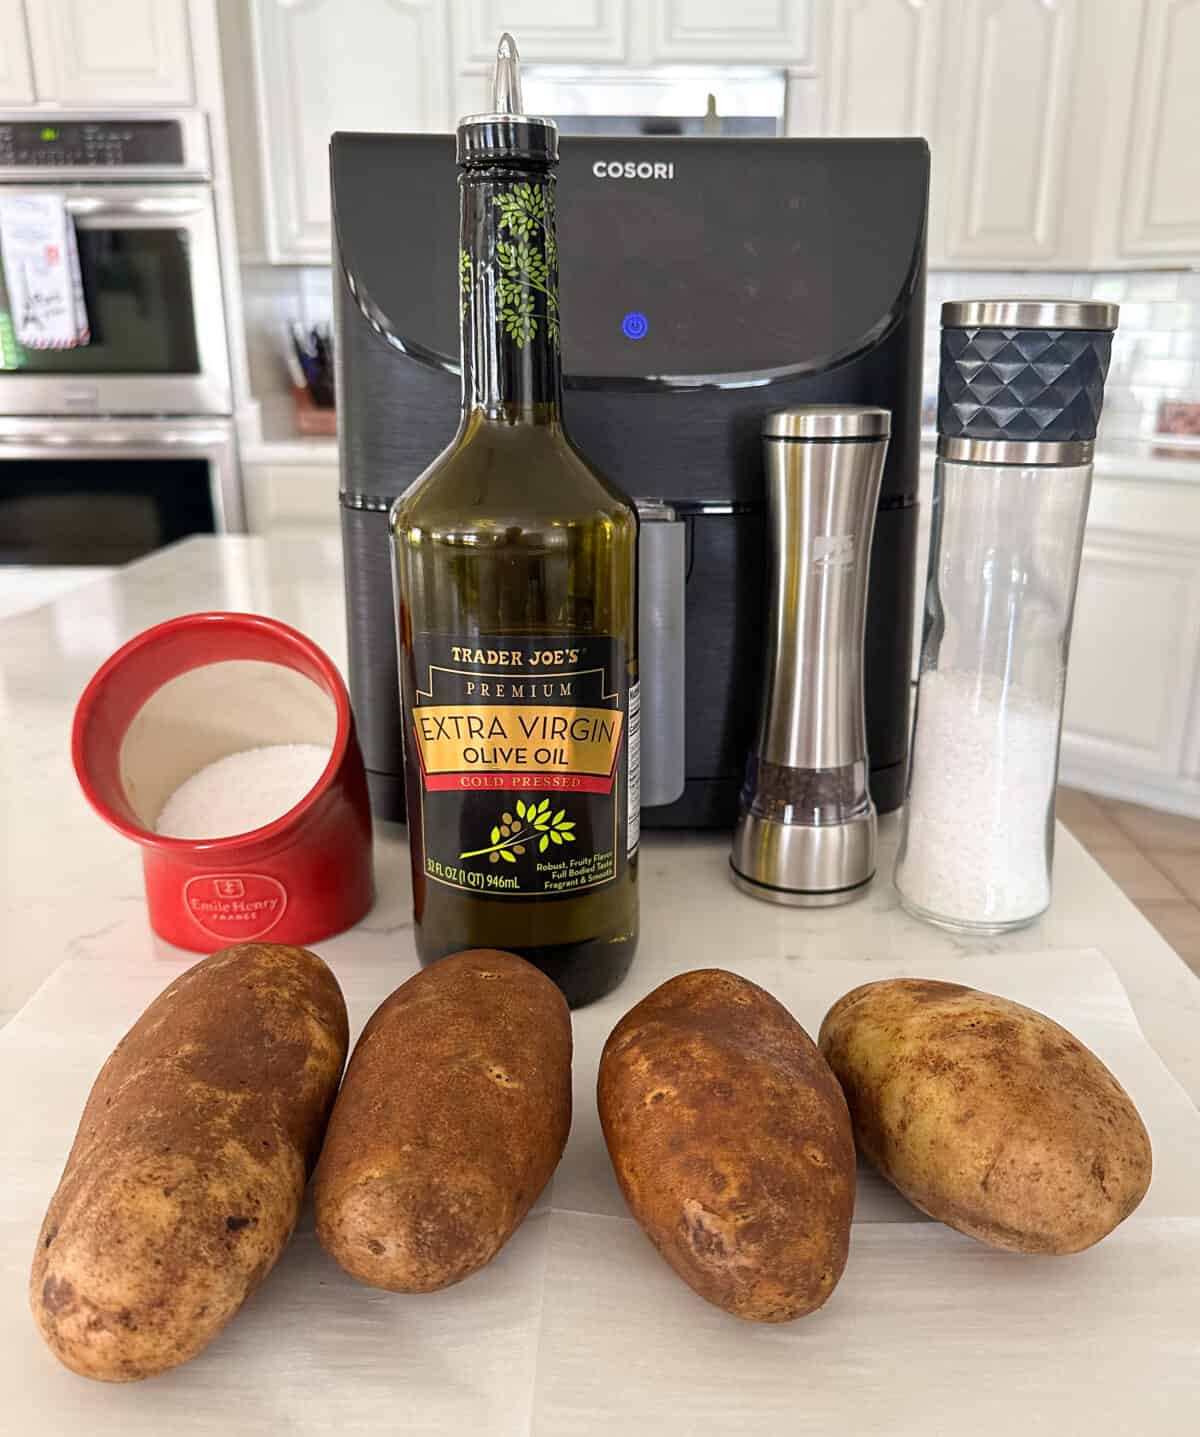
<point x="806" y="827"/>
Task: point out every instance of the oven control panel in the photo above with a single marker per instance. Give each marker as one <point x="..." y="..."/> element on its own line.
<point x="50" y="144"/>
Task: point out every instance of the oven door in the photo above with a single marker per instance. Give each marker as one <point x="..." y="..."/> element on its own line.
<point x="78" y="491"/>
<point x="152" y="284"/>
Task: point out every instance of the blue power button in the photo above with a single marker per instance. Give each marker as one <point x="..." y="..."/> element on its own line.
<point x="635" y="325"/>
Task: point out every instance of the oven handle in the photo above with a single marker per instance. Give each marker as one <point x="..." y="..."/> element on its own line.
<point x="87" y="206"/>
<point x="42" y="439"/>
<point x="107" y="434"/>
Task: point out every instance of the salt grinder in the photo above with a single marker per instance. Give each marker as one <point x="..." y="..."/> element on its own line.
<point x="1020" y="394"/>
<point x="806" y="827"/>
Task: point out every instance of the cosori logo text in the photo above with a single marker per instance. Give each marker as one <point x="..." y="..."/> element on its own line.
<point x="634" y="169"/>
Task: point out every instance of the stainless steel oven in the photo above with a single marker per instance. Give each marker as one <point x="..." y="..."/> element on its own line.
<point x="148" y="255"/>
<point x="105" y="491"/>
<point x="111" y="449"/>
<point x="138" y="190"/>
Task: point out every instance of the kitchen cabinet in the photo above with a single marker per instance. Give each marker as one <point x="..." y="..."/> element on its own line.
<point x="881" y="72"/>
<point x="1154" y="208"/>
<point x="992" y="86"/>
<point x="320" y="68"/>
<point x="16" y="71"/>
<point x="1005" y="131"/>
<point x="638" y="32"/>
<point x="1062" y="133"/>
<point x="731" y="32"/>
<point x="1131" y="725"/>
<point x="571" y="31"/>
<point x="111" y="52"/>
<point x="292" y="498"/>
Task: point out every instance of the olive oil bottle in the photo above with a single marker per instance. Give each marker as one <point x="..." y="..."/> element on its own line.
<point x="517" y="612"/>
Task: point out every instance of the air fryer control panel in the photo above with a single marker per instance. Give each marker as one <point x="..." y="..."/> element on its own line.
<point x="685" y="264"/>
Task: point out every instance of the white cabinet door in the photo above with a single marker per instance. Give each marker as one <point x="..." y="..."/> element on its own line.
<point x="111" y="52"/>
<point x="1132" y="652"/>
<point x="322" y="67"/>
<point x="1161" y="191"/>
<point x="882" y="73"/>
<point x="731" y="32"/>
<point x="291" y="498"/>
<point x="1131" y="722"/>
<point x="1006" y="115"/>
<point x="16" y="72"/>
<point x="545" y="30"/>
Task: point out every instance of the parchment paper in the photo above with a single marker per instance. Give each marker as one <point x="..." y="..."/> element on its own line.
<point x="579" y="1327"/>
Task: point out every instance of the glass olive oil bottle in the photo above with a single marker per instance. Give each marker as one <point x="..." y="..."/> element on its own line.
<point x="516" y="588"/>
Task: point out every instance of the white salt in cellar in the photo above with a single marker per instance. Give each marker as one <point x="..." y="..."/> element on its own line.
<point x="1020" y="392"/>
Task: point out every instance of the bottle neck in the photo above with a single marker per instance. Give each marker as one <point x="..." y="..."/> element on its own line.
<point x="508" y="282"/>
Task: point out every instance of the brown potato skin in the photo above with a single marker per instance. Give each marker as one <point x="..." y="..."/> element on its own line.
<point x="453" y="1116"/>
<point x="188" y="1169"/>
<point x="987" y="1115"/>
<point x="731" y="1141"/>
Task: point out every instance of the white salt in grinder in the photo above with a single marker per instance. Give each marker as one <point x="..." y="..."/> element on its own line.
<point x="806" y="828"/>
<point x="1021" y="386"/>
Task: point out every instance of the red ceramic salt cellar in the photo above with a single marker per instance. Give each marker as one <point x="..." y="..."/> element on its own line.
<point x="190" y="691"/>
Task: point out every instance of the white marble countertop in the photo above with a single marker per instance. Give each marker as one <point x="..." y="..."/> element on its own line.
<point x="577" y="1326"/>
<point x="72" y="888"/>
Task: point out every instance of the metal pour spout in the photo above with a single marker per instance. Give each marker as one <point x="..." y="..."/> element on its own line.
<point x="506" y="134"/>
<point x="506" y="83"/>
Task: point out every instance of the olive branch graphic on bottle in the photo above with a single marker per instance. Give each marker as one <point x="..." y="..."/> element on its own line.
<point x="532" y="821"/>
<point x="465" y="280"/>
<point x="528" y="262"/>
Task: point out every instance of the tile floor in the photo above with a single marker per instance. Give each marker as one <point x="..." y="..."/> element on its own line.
<point x="1153" y="857"/>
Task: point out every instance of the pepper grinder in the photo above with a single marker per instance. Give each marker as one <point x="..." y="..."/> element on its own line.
<point x="805" y="834"/>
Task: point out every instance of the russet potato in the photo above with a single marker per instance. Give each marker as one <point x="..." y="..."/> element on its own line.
<point x="987" y="1115"/>
<point x="453" y="1116"/>
<point x="731" y="1142"/>
<point x="189" y="1165"/>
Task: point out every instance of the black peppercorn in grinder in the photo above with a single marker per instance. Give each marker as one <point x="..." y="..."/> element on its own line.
<point x="806" y="827"/>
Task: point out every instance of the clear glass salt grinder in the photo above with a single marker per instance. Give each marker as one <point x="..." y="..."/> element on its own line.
<point x="1019" y="398"/>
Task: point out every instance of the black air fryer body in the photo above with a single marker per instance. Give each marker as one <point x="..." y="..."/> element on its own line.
<point x="759" y="274"/>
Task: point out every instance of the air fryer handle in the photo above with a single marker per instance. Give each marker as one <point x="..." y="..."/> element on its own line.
<point x="662" y="577"/>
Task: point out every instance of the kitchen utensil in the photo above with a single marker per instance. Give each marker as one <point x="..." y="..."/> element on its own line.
<point x="309" y="358"/>
<point x="1021" y="387"/>
<point x="806" y="829"/>
<point x="190" y="691"/>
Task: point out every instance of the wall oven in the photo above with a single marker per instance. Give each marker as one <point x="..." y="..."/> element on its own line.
<point x="106" y="491"/>
<point x="116" y="446"/>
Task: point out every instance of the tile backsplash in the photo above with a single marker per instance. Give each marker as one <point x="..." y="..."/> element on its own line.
<point x="1155" y="357"/>
<point x="1156" y="350"/>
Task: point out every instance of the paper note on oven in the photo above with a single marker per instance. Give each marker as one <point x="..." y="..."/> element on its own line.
<point x="41" y="272"/>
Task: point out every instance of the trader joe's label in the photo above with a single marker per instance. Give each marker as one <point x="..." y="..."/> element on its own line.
<point x="518" y="747"/>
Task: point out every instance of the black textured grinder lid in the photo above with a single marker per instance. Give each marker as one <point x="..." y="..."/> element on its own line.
<point x="1029" y="371"/>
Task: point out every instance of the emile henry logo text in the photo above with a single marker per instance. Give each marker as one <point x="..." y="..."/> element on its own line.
<point x="241" y="905"/>
<point x="634" y="169"/>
